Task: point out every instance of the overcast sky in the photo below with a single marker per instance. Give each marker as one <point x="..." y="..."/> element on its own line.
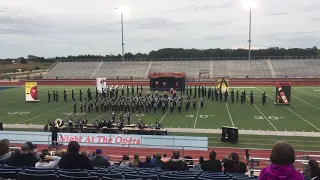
<point x="52" y="28"/>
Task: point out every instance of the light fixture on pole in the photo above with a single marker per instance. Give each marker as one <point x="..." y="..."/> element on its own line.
<point x="250" y="4"/>
<point x="122" y="11"/>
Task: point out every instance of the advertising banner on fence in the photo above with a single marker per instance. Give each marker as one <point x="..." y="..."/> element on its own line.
<point x="112" y="140"/>
<point x="31" y="91"/>
<point x="101" y="84"/>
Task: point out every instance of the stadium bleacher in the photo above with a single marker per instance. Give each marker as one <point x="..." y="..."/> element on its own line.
<point x="193" y="69"/>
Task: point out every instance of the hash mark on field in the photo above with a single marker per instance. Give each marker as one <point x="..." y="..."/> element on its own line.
<point x="195" y="121"/>
<point x="293" y="112"/>
<point x="97" y="117"/>
<point x="307" y="93"/>
<point x="306" y="102"/>
<point x="263" y="115"/>
<point x="229" y="115"/>
<point x="163" y="116"/>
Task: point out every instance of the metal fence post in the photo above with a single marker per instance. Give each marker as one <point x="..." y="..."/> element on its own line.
<point x="251" y="167"/>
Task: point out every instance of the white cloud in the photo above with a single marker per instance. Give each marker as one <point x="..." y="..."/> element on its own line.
<point x="70" y="27"/>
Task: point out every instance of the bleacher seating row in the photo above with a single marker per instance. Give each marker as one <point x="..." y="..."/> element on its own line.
<point x="113" y="173"/>
<point x="219" y="68"/>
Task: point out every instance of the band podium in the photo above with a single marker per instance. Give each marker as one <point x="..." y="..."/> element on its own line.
<point x="283" y="93"/>
<point x="165" y="81"/>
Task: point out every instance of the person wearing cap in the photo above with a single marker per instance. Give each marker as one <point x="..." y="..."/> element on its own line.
<point x="26" y="157"/>
<point x="47" y="161"/>
<point x="73" y="160"/>
<point x="213" y="164"/>
<point x="99" y="160"/>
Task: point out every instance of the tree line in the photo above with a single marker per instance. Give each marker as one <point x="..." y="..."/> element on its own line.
<point x="192" y="53"/>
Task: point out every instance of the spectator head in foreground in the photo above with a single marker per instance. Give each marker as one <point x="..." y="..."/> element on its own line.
<point x="73" y="160"/>
<point x="73" y="147"/>
<point x="234" y="165"/>
<point x="212" y="155"/>
<point x="212" y="165"/>
<point x="282" y="158"/>
<point x="26" y="157"/>
<point x="5" y="153"/>
<point x="312" y="170"/>
<point x="125" y="161"/>
<point x="176" y="155"/>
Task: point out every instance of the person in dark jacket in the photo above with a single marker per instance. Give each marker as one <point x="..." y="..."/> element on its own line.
<point x="5" y="154"/>
<point x="26" y="157"/>
<point x="235" y="165"/>
<point x="213" y="164"/>
<point x="311" y="171"/>
<point x="73" y="160"/>
<point x="148" y="163"/>
<point x="158" y="162"/>
<point x="175" y="164"/>
<point x="99" y="160"/>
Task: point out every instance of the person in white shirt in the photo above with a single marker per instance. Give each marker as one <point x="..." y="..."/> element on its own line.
<point x="47" y="161"/>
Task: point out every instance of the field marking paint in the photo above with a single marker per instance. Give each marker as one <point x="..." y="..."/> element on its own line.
<point x="307" y="93"/>
<point x="164" y="116"/>
<point x="294" y="113"/>
<point x="229" y="115"/>
<point x="26" y="110"/>
<point x="97" y="117"/>
<point x="262" y="114"/>
<point x="195" y="121"/>
<point x="43" y="114"/>
<point x="306" y="102"/>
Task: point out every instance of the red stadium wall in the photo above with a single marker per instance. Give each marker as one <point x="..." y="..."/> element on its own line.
<point x="144" y="82"/>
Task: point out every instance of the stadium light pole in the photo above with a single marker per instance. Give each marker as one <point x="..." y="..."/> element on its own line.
<point x="250" y="4"/>
<point x="122" y="10"/>
<point x="250" y="32"/>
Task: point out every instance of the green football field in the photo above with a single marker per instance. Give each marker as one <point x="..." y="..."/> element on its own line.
<point x="301" y="115"/>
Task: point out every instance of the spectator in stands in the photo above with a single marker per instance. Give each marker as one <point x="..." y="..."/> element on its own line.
<point x="148" y="163"/>
<point x="198" y="164"/>
<point x="175" y="164"/>
<point x="282" y="158"/>
<point x="158" y="162"/>
<point x="136" y="161"/>
<point x="73" y="160"/>
<point x="235" y="165"/>
<point x="99" y="160"/>
<point x="26" y="157"/>
<point x="312" y="170"/>
<point x="154" y="157"/>
<point x="5" y="153"/>
<point x="165" y="157"/>
<point x="213" y="164"/>
<point x="47" y="161"/>
<point x="63" y="152"/>
<point x="125" y="161"/>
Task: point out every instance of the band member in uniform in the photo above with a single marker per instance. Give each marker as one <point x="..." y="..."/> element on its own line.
<point x="97" y="106"/>
<point x="195" y="90"/>
<point x="194" y="102"/>
<point x="141" y="88"/>
<point x="65" y="95"/>
<point x="157" y="125"/>
<point x="81" y="107"/>
<point x="137" y="90"/>
<point x="132" y="90"/>
<point x="179" y="106"/>
<point x="245" y="95"/>
<point x="209" y="93"/>
<point x="74" y="107"/>
<point x="216" y="94"/>
<point x="80" y="94"/>
<point x="190" y="90"/>
<point x="187" y="91"/>
<point x="177" y="85"/>
<point x="57" y="97"/>
<point x="220" y="95"/>
<point x="54" y="96"/>
<point x="226" y="95"/>
<point x="155" y="105"/>
<point x="72" y="95"/>
<point x="251" y="97"/>
<point x="171" y="107"/>
<point x="242" y="97"/>
<point x="97" y="93"/>
<point x="89" y="94"/>
<point x="163" y="107"/>
<point x="232" y="96"/>
<point x="237" y="94"/>
<point x="201" y="102"/>
<point x="127" y="91"/>
<point x="164" y="85"/>
<point x="113" y="116"/>
<point x="156" y="85"/>
<point x="264" y="98"/>
<point x="128" y="118"/>
<point x="122" y="90"/>
<point x="199" y="91"/>
<point x="49" y="96"/>
<point x="70" y="123"/>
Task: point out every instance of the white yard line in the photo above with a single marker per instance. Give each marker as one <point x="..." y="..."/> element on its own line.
<point x="307" y="93"/>
<point x="229" y="115"/>
<point x="195" y="121"/>
<point x="293" y="112"/>
<point x="306" y="102"/>
<point x="97" y="117"/>
<point x="263" y="114"/>
<point x="164" y="116"/>
<point x="44" y="114"/>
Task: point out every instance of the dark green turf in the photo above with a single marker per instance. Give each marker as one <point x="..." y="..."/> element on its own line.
<point x="301" y="115"/>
